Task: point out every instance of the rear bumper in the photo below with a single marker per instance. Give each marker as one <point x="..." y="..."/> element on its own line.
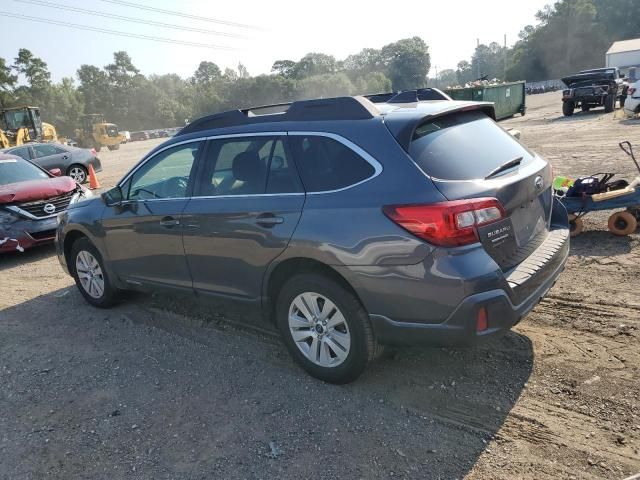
<point x="502" y="313"/>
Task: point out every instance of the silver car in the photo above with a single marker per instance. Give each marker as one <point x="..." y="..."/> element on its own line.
<point x="74" y="162"/>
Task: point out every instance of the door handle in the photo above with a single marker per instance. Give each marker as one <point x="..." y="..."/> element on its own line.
<point x="169" y="222"/>
<point x="268" y="220"/>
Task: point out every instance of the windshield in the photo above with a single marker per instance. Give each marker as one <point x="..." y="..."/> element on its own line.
<point x="16" y="119"/>
<point x="14" y="170"/>
<point x="463" y="146"/>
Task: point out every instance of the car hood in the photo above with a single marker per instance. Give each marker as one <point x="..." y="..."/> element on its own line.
<point x="36" y="189"/>
<point x="583" y="77"/>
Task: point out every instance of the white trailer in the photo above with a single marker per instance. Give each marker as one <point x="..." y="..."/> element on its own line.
<point x="624" y="54"/>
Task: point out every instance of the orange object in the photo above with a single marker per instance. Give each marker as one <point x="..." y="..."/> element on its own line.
<point x="93" y="179"/>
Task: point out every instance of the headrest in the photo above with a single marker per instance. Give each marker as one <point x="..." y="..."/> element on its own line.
<point x="247" y="166"/>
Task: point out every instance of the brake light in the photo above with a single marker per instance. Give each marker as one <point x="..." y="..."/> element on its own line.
<point x="447" y="223"/>
<point x="631" y="91"/>
<point x="93" y="152"/>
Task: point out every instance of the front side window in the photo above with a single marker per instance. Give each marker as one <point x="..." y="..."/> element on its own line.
<point x="326" y="164"/>
<point x="248" y="166"/>
<point x="166" y="175"/>
<point x="46" y="150"/>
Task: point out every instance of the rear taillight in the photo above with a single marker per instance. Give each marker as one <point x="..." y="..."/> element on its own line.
<point x="93" y="152"/>
<point x="447" y="223"/>
<point x="631" y="91"/>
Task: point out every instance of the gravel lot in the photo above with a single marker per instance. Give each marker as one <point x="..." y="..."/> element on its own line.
<point x="167" y="388"/>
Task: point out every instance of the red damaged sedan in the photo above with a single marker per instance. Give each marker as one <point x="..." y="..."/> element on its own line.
<point x="30" y="200"/>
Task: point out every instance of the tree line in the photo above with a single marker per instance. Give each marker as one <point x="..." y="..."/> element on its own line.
<point x="134" y="101"/>
<point x="571" y="35"/>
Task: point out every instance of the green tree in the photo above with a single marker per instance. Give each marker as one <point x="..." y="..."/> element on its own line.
<point x="284" y="68"/>
<point x="7" y="82"/>
<point x="406" y="63"/>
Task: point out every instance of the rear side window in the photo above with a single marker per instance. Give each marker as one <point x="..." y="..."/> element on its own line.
<point x="248" y="166"/>
<point x="21" y="152"/>
<point x="463" y="146"/>
<point x="46" y="150"/>
<point x="326" y="164"/>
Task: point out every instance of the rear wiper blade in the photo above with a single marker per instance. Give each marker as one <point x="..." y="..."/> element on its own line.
<point x="505" y="166"/>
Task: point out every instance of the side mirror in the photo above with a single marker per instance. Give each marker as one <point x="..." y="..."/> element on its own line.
<point x="56" y="172"/>
<point x="113" y="197"/>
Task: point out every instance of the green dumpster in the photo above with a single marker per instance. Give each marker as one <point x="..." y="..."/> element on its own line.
<point x="508" y="98"/>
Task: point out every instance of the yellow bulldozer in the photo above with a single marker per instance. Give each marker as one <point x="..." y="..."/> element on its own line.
<point x="96" y="133"/>
<point x="20" y="125"/>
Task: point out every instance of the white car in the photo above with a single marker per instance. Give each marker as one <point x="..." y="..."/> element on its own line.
<point x="632" y="103"/>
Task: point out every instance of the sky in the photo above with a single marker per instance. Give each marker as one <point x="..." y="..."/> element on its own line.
<point x="258" y="32"/>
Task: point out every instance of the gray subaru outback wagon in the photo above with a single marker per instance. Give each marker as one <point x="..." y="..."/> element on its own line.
<point x="348" y="224"/>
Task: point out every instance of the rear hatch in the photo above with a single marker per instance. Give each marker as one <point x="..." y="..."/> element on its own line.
<point x="467" y="155"/>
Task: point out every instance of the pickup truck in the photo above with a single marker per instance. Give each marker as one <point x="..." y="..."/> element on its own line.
<point x="599" y="87"/>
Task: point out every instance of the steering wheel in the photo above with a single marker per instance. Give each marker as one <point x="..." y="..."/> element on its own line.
<point x="174" y="187"/>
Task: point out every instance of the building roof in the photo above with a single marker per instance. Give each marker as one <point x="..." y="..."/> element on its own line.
<point x="624" y="46"/>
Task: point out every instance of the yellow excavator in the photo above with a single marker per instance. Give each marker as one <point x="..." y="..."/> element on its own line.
<point x="96" y="133"/>
<point x="20" y="125"/>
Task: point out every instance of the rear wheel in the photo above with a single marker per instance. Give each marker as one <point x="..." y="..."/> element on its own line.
<point x="113" y="147"/>
<point x="622" y="223"/>
<point x="576" y="226"/>
<point x="90" y="275"/>
<point x="78" y="173"/>
<point x="325" y="328"/>
<point x="568" y="108"/>
<point x="609" y="103"/>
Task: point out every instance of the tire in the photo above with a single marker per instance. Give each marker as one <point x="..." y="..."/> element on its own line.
<point x="78" y="172"/>
<point x="622" y="223"/>
<point x="623" y="99"/>
<point x="609" y="103"/>
<point x="568" y="108"/>
<point x="351" y="329"/>
<point x="576" y="225"/>
<point x="113" y="147"/>
<point x="91" y="278"/>
<point x="585" y="107"/>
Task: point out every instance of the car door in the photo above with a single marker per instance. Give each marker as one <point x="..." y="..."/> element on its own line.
<point x="143" y="234"/>
<point x="50" y="156"/>
<point x="242" y="214"/>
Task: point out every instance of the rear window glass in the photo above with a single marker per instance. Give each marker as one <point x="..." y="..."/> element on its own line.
<point x="463" y="146"/>
<point x="326" y="164"/>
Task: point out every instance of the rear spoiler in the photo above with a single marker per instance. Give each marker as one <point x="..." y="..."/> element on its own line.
<point x="403" y="129"/>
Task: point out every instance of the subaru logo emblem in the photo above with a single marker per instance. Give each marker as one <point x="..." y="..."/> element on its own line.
<point x="49" y="208"/>
<point x="539" y="182"/>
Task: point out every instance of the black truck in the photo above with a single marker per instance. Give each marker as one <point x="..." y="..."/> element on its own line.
<point x="600" y="87"/>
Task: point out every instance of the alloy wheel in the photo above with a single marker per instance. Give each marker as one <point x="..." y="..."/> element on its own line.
<point x="78" y="174"/>
<point x="319" y="329"/>
<point x="90" y="274"/>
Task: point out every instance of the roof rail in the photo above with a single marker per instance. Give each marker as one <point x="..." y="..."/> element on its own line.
<point x="409" y="96"/>
<point x="338" y="108"/>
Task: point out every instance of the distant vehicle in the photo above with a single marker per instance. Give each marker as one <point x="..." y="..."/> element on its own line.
<point x="126" y="134"/>
<point x="96" y="133"/>
<point x="137" y="136"/>
<point x="72" y="161"/>
<point x="20" y="125"/>
<point x="163" y="133"/>
<point x="30" y="200"/>
<point x="347" y="223"/>
<point x="632" y="105"/>
<point x="599" y="87"/>
<point x="153" y="134"/>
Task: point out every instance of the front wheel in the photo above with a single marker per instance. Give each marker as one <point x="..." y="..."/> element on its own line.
<point x="90" y="275"/>
<point x="568" y="108"/>
<point x="585" y="107"/>
<point x="78" y="173"/>
<point x="325" y="328"/>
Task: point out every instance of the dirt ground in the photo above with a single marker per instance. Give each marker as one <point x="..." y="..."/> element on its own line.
<point x="166" y="388"/>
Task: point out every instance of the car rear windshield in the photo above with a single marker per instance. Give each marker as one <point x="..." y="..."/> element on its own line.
<point x="463" y="146"/>
<point x="14" y="170"/>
